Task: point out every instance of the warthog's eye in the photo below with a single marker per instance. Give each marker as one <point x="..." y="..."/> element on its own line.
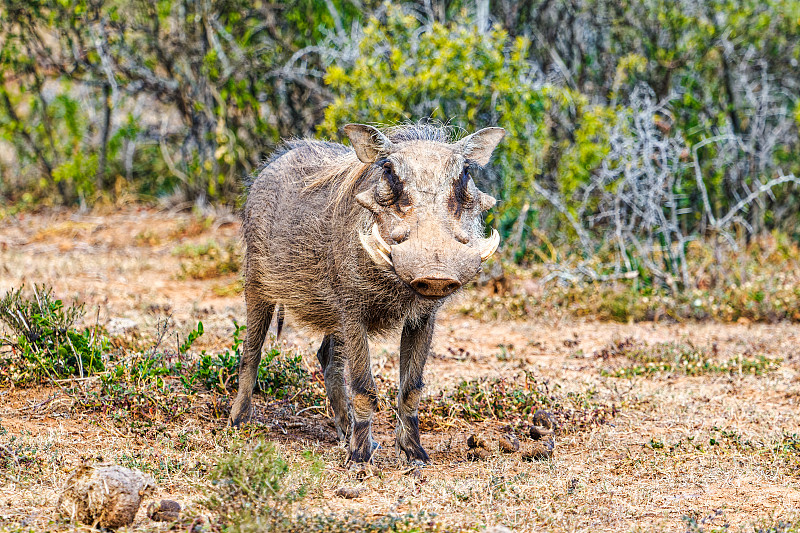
<point x="390" y="188"/>
<point x="463" y="196"/>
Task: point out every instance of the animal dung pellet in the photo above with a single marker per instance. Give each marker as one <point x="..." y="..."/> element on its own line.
<point x="540" y="450"/>
<point x="543" y="425"/>
<point x="164" y="511"/>
<point x="350" y="491"/>
<point x="477" y="441"/>
<point x="479" y="448"/>
<point x="508" y="443"/>
<point x="107" y="496"/>
<point x="478" y="454"/>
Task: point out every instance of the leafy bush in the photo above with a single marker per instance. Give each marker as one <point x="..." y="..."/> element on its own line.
<point x="149" y="388"/>
<point x="254" y="488"/>
<point x="43" y="341"/>
<point x="408" y="69"/>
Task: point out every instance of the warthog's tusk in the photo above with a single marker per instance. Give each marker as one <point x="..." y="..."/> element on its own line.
<point x="374" y="250"/>
<point x="491" y="245"/>
<point x="383" y="246"/>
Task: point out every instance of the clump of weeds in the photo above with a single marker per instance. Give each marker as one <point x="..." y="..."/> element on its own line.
<point x="208" y="260"/>
<point x="515" y="401"/>
<point x="151" y="388"/>
<point x="256" y="489"/>
<point x="43" y="341"/>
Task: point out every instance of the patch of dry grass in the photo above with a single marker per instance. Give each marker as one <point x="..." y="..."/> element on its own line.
<point x="650" y="467"/>
<point x="628" y="358"/>
<point x="208" y="260"/>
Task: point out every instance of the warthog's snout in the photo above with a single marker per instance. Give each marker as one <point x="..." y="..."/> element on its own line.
<point x="429" y="261"/>
<point x="436" y="287"/>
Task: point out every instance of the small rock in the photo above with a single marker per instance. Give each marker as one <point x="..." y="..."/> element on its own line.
<point x="107" y="496"/>
<point x="350" y="492"/>
<point x="508" y="443"/>
<point x="164" y="511"/>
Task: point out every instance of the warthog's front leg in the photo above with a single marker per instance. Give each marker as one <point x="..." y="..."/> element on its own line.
<point x="414" y="347"/>
<point x="259" y="315"/>
<point x="364" y="396"/>
<point x="331" y="357"/>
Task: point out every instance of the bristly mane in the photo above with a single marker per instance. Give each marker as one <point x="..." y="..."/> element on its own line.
<point x="344" y="172"/>
<point x="423" y="131"/>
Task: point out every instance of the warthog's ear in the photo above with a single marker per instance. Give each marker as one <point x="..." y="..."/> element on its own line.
<point x="479" y="146"/>
<point x="368" y="142"/>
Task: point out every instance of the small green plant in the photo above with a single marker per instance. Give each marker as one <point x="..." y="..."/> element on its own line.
<point x="218" y="371"/>
<point x="193" y="336"/>
<point x="43" y="341"/>
<point x="208" y="260"/>
<point x="147" y="389"/>
<point x="255" y="489"/>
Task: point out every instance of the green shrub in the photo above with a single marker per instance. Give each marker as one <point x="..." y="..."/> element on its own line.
<point x="255" y="489"/>
<point x="450" y="72"/>
<point x="43" y="341"/>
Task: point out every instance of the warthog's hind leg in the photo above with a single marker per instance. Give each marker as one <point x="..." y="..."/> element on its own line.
<point x="414" y="346"/>
<point x="332" y="359"/>
<point x="259" y="316"/>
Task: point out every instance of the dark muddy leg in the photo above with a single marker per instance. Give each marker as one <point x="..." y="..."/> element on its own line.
<point x="415" y="344"/>
<point x="364" y="395"/>
<point x="332" y="359"/>
<point x="259" y="315"/>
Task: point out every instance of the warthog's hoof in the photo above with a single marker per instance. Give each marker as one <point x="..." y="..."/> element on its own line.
<point x="240" y="412"/>
<point x="363" y="455"/>
<point x="415" y="454"/>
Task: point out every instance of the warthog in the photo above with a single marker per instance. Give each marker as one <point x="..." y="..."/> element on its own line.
<point x="356" y="242"/>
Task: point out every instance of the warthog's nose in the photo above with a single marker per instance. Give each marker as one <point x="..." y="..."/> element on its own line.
<point x="436" y="287"/>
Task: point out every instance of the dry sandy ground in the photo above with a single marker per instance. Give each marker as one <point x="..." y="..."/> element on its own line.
<point x="641" y="472"/>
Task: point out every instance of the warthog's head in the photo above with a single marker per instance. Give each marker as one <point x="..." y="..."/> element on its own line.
<point x="426" y="207"/>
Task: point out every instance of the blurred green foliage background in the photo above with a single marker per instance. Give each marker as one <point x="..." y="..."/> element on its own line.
<point x="180" y="100"/>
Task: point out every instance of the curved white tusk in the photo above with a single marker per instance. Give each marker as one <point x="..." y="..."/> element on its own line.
<point x="377" y="256"/>
<point x="491" y="245"/>
<point x="383" y="246"/>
